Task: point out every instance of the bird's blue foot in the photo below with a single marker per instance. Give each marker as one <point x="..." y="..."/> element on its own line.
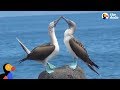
<point x="73" y="65"/>
<point x="49" y="68"/>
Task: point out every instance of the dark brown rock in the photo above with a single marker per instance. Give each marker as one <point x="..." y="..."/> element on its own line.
<point x="63" y="72"/>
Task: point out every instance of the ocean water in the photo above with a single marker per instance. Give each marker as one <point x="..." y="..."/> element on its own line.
<point x="100" y="37"/>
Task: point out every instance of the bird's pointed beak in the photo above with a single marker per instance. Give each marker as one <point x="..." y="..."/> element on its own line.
<point x="56" y="21"/>
<point x="65" y="19"/>
<point x="13" y="68"/>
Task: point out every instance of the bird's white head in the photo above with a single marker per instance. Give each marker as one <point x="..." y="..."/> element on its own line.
<point x="70" y="23"/>
<point x="72" y="27"/>
<point x="51" y="29"/>
<point x="53" y="24"/>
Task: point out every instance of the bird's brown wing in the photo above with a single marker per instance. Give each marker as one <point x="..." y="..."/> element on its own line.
<point x="76" y="42"/>
<point x="81" y="52"/>
<point x="41" y="52"/>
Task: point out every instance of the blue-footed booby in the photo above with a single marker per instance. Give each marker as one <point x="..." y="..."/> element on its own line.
<point x="76" y="48"/>
<point x="44" y="52"/>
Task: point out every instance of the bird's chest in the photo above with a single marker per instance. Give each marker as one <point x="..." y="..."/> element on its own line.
<point x="10" y="76"/>
<point x="66" y="39"/>
<point x="67" y="44"/>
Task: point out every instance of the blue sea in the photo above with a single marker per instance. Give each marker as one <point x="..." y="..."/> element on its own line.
<point x="100" y="37"/>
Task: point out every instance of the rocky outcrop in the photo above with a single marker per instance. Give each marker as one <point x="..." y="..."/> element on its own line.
<point x="63" y="72"/>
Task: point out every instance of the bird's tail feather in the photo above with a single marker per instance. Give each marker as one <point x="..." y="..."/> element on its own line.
<point x="92" y="63"/>
<point x="24" y="59"/>
<point x="92" y="68"/>
<point x="23" y="46"/>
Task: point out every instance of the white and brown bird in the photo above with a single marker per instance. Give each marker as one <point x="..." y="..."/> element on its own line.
<point x="44" y="52"/>
<point x="76" y="48"/>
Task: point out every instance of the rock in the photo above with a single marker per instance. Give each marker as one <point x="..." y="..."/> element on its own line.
<point x="63" y="72"/>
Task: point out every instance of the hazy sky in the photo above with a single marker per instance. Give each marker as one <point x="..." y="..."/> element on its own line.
<point x="30" y="13"/>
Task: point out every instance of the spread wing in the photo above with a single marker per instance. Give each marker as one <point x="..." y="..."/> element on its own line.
<point x="2" y="76"/>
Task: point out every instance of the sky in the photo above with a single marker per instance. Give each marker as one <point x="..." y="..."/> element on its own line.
<point x="31" y="13"/>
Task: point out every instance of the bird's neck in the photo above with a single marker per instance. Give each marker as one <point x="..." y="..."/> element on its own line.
<point x="7" y="72"/>
<point x="69" y="32"/>
<point x="53" y="37"/>
<point x="72" y="30"/>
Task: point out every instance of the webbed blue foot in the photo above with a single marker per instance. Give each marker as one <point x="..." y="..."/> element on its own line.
<point x="73" y="65"/>
<point x="49" y="68"/>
